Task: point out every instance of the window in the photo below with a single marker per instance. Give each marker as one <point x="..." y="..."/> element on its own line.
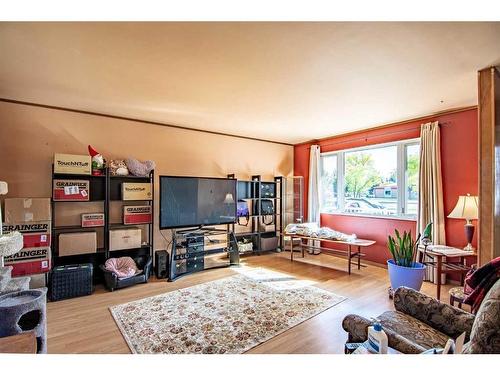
<point x="380" y="180"/>
<point x="412" y="152"/>
<point x="329" y="188"/>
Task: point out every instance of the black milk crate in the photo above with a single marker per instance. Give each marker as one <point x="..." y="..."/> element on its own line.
<point x="70" y="281"/>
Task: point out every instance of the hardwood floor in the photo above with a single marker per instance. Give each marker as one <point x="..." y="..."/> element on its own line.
<point x="85" y="325"/>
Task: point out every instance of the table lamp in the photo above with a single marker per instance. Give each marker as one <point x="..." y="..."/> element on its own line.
<point x="466" y="208"/>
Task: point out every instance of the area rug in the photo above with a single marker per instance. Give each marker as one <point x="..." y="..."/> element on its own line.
<point x="230" y="315"/>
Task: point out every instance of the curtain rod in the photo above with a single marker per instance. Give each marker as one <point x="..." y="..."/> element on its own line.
<point x="374" y="136"/>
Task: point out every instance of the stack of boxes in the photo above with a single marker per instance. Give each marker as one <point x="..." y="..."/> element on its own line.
<point x="31" y="217"/>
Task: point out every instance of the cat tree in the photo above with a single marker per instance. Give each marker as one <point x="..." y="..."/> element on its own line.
<point x="10" y="243"/>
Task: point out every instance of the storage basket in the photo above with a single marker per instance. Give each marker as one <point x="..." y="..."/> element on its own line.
<point x="268" y="242"/>
<point x="244" y="247"/>
<point x="70" y="281"/>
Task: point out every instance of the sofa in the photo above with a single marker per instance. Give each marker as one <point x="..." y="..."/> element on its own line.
<point x="143" y="262"/>
<point x="420" y="322"/>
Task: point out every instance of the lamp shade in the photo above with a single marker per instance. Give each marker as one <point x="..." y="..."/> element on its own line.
<point x="466" y="208"/>
<point x="229" y="199"/>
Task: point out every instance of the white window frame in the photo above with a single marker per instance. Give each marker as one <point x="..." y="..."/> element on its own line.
<point x="402" y="178"/>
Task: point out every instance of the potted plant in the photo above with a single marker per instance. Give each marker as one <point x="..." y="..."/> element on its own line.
<point x="403" y="270"/>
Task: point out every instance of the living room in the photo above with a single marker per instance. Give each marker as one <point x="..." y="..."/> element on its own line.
<point x="249" y="187"/>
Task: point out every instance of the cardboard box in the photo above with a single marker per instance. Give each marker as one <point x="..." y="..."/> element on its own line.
<point x="136" y="191"/>
<point x="121" y="239"/>
<point x="71" y="190"/>
<point x="269" y="243"/>
<point x="242" y="228"/>
<point x="137" y="214"/>
<point x="30" y="267"/>
<point x="37" y="281"/>
<point x="72" y="164"/>
<point x="77" y="243"/>
<point x="36" y="240"/>
<point x="34" y="234"/>
<point x="266" y="227"/>
<point x="24" y="210"/>
<point x="31" y="254"/>
<point x="29" y="261"/>
<point x="92" y="220"/>
<point x="31" y="217"/>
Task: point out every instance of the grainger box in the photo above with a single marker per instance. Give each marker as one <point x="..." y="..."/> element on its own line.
<point x="72" y="164"/>
<point x="29" y="261"/>
<point x="34" y="234"/>
<point x="71" y="190"/>
<point x="136" y="191"/>
<point x="137" y="214"/>
<point x="77" y="243"/>
<point x="31" y="217"/>
<point x="92" y="220"/>
<point x="120" y="239"/>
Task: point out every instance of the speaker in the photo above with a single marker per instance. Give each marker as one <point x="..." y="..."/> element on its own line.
<point x="161" y="262"/>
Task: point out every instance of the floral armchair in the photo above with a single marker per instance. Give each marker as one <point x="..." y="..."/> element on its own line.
<point x="421" y="322"/>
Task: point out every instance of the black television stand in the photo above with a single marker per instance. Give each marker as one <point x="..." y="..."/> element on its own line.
<point x="196" y="249"/>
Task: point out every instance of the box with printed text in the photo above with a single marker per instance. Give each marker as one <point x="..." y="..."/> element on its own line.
<point x="136" y="191"/>
<point x="137" y="214"/>
<point x="71" y="190"/>
<point x="72" y="164"/>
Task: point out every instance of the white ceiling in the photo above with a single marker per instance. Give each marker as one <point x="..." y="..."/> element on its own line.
<point x="287" y="82"/>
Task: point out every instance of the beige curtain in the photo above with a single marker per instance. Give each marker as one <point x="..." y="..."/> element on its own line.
<point x="430" y="183"/>
<point x="313" y="214"/>
<point x="314" y="182"/>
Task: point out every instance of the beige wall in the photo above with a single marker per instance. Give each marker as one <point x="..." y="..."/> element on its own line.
<point x="29" y="137"/>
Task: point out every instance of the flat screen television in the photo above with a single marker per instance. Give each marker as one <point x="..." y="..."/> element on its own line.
<point x="196" y="201"/>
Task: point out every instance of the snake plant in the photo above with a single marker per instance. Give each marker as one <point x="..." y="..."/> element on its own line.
<point x="403" y="249"/>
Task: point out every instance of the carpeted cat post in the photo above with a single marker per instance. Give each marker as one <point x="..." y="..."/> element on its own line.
<point x="25" y="311"/>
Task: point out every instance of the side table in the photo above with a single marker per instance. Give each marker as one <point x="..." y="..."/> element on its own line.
<point x="443" y="266"/>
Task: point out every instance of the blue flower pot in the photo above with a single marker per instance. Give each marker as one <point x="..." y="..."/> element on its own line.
<point x="411" y="277"/>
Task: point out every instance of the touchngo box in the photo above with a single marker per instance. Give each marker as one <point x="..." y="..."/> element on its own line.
<point x="72" y="164"/>
<point x="136" y="191"/>
<point x="71" y="190"/>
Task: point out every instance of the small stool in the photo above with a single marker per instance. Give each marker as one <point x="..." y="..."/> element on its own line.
<point x="457" y="295"/>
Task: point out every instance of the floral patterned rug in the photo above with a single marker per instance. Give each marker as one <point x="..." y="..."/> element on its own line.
<point x="230" y="315"/>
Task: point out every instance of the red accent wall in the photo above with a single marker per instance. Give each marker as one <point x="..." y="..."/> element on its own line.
<point x="460" y="165"/>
